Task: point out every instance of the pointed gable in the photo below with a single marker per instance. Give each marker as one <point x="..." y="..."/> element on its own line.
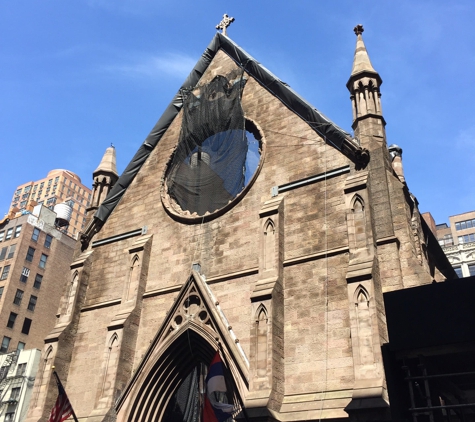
<point x="332" y="134"/>
<point x="194" y="327"/>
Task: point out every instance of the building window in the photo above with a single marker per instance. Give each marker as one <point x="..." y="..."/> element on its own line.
<point x="22" y="204"/>
<point x="11" y="320"/>
<point x="25" y="196"/>
<point x="17" y="231"/>
<point x="2" y="235"/>
<point x="26" y="326"/>
<point x="5" y="344"/>
<point x="25" y="273"/>
<point x="18" y="297"/>
<point x="15" y="393"/>
<point x="48" y="241"/>
<point x="43" y="260"/>
<point x="35" y="235"/>
<point x="9" y="416"/>
<point x="34" y="188"/>
<point x="466" y="238"/>
<point x="467" y="224"/>
<point x="21" y="368"/>
<point x="1" y="291"/>
<point x="27" y="189"/>
<point x="471" y="269"/>
<point x="38" y="280"/>
<point x="32" y="303"/>
<point x="458" y="271"/>
<point x="20" y="347"/>
<point x="9" y="234"/>
<point x="6" y="270"/>
<point x="42" y="184"/>
<point x="3" y="253"/>
<point x="30" y="254"/>
<point x="18" y="192"/>
<point x="11" y="252"/>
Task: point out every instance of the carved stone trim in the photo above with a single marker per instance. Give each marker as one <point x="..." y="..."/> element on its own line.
<point x="356" y="181"/>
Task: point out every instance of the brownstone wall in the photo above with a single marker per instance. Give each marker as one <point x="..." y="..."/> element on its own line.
<point x="318" y="355"/>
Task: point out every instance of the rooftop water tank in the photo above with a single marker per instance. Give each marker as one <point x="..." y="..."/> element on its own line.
<point x="63" y="214"/>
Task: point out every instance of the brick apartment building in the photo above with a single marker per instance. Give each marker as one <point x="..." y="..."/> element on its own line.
<point x="246" y="221"/>
<point x="34" y="257"/>
<point x="57" y="187"/>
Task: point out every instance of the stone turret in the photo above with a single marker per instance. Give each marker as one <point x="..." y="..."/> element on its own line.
<point x="364" y="84"/>
<point x="105" y="176"/>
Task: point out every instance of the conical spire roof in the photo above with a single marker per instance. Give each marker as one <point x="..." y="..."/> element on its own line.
<point x="107" y="164"/>
<point x="361" y="62"/>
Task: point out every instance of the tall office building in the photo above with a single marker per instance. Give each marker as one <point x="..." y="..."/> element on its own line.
<point x="457" y="240"/>
<point x="57" y="187"/>
<point x="34" y="256"/>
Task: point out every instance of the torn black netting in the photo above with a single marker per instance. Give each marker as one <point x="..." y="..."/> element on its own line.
<point x="208" y="167"/>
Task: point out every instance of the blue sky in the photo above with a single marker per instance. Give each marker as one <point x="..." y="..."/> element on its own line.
<point x="76" y="76"/>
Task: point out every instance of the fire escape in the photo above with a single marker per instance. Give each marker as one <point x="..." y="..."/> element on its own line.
<point x="12" y="380"/>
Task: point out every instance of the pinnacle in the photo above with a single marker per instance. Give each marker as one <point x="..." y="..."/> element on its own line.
<point x="361" y="62"/>
<point x="108" y="162"/>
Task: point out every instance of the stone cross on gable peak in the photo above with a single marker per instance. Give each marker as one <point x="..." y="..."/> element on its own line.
<point x="225" y="23"/>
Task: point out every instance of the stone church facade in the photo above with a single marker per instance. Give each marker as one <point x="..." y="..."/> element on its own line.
<point x="287" y="278"/>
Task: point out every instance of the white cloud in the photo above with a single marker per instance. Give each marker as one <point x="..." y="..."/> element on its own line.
<point x="171" y="64"/>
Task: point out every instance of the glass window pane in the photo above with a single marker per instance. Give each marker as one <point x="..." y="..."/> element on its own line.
<point x="35" y="235"/>
<point x="43" y="260"/>
<point x="5" y="272"/>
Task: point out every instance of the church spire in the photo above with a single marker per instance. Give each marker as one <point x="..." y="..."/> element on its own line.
<point x="361" y="62"/>
<point x="108" y="162"/>
<point x="104" y="176"/>
<point x="364" y="84"/>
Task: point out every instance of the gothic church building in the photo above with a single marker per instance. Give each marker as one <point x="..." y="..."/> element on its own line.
<point x="246" y="222"/>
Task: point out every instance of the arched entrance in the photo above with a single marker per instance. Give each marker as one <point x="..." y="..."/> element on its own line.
<point x="172" y="370"/>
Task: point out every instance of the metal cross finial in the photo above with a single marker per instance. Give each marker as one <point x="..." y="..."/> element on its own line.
<point x="225" y="23"/>
<point x="358" y="29"/>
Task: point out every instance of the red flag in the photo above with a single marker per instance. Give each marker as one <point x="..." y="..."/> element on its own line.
<point x="62" y="409"/>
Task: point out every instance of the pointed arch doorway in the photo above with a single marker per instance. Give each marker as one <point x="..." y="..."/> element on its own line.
<point x="164" y="386"/>
<point x="172" y="387"/>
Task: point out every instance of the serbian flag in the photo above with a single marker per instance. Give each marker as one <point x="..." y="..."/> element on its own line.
<point x="213" y="410"/>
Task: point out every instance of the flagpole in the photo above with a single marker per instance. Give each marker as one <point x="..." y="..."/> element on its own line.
<point x="61" y="384"/>
<point x="220" y="348"/>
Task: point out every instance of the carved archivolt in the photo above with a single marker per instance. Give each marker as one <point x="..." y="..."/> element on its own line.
<point x="261" y="340"/>
<point x="191" y="308"/>
<point x="269" y="244"/>
<point x="71" y="293"/>
<point x="357" y="203"/>
<point x="361" y="295"/>
<point x="134" y="277"/>
<point x="43" y="374"/>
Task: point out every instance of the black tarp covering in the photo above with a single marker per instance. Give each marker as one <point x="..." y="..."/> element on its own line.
<point x="208" y="167"/>
<point x="324" y="127"/>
